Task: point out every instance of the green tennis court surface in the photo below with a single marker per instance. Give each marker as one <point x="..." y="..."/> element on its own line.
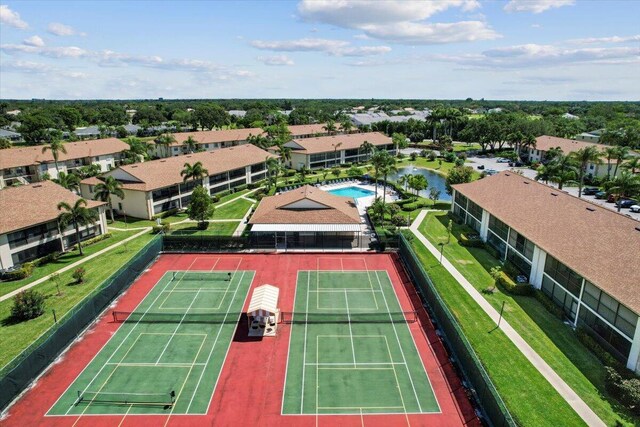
<point x="167" y="355"/>
<point x="351" y="351"/>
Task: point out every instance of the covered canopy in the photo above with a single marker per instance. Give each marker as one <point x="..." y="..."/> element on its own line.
<point x="264" y="301"/>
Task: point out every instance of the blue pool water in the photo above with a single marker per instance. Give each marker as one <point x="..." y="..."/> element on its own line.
<point x="354" y="192"/>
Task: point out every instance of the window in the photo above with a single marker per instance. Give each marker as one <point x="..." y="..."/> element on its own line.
<point x="461" y="200"/>
<point x="606" y="335"/>
<point x="497" y="243"/>
<point x="521" y="244"/>
<point x="559" y="296"/>
<point x="498" y="227"/>
<point x="562" y="274"/>
<point x="521" y="264"/>
<point x="610" y="309"/>
<point x="475" y="210"/>
<point x="257" y="168"/>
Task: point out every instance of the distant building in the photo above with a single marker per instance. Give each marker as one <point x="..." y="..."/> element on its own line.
<point x="29" y="228"/>
<point x="570" y="116"/>
<point x="593" y="136"/>
<point x="29" y="164"/>
<point x="584" y="257"/>
<point x="396" y="116"/>
<point x="157" y="186"/>
<point x="329" y="151"/>
<point x="237" y="113"/>
<point x="10" y="135"/>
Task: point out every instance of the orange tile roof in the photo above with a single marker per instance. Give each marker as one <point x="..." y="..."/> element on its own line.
<point x="165" y="172"/>
<point x="231" y="135"/>
<point x="323" y="144"/>
<point x="601" y="245"/>
<point x="26" y="156"/>
<point x="545" y="143"/>
<point x="333" y="209"/>
<point x="33" y="204"/>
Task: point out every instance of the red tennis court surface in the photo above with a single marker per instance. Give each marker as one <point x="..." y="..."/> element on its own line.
<point x="246" y="394"/>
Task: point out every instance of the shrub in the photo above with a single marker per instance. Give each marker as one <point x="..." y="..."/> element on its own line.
<point x="399" y="220"/>
<point x="164" y="227"/>
<point x="459" y="162"/>
<point x="450" y="157"/>
<point x="79" y="274"/>
<point x="625" y="390"/>
<point x="432" y="156"/>
<point x="203" y="225"/>
<point x="215" y="199"/>
<point x="475" y="242"/>
<point x="290" y="172"/>
<point x="46" y="259"/>
<point x="241" y="187"/>
<point x="93" y="240"/>
<point x="27" y="305"/>
<point x="548" y="304"/>
<point x="594" y="346"/>
<point x="223" y="193"/>
<point x="170" y="212"/>
<point x="508" y="285"/>
<point x="413" y="156"/>
<point x="21" y="273"/>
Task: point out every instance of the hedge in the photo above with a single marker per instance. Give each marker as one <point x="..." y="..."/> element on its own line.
<point x="170" y="212"/>
<point x="92" y="240"/>
<point x="625" y="390"/>
<point x="164" y="226"/>
<point x="507" y="284"/>
<point x="21" y="273"/>
<point x="603" y="355"/>
<point x="548" y="304"/>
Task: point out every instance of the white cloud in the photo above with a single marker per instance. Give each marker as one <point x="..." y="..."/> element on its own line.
<point x="51" y="52"/>
<point x="276" y="60"/>
<point x="62" y="30"/>
<point x="34" y="41"/>
<point x="11" y="18"/>
<point x="536" y="6"/>
<point x="399" y="21"/>
<point x="40" y="68"/>
<point x="613" y="39"/>
<point x="330" y="47"/>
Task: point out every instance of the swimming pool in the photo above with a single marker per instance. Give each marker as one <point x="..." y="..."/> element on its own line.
<point x="354" y="192"/>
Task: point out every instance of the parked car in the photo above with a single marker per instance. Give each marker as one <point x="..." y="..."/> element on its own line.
<point x="502" y="160"/>
<point x="611" y="198"/>
<point x="481" y="167"/>
<point x="516" y="164"/>
<point x="590" y="191"/>
<point x="601" y="195"/>
<point x="626" y="203"/>
<point x="490" y="172"/>
<point x="635" y="208"/>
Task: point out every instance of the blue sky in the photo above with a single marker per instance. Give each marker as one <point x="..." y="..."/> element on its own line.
<point x="509" y="49"/>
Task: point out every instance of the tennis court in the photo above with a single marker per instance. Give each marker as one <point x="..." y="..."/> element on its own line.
<point x="167" y="354"/>
<point x="351" y="351"/>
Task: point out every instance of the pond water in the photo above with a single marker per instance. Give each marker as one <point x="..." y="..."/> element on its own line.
<point x="433" y="179"/>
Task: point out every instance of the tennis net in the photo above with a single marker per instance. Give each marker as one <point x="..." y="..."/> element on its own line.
<point x="146" y="317"/>
<point x="123" y="398"/>
<point x="371" y="317"/>
<point x="201" y="276"/>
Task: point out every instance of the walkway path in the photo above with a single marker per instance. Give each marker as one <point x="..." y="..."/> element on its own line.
<point x="583" y="410"/>
<point x="75" y="264"/>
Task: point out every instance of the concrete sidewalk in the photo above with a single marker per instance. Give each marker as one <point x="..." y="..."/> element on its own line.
<point x="578" y="405"/>
<point x="74" y="265"/>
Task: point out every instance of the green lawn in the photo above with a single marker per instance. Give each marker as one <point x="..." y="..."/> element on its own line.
<point x="531" y="400"/>
<point x="64" y="260"/>
<point x="15" y="337"/>
<point x="555" y="342"/>
<point x="234" y="210"/>
<point x="137" y="222"/>
<point x="232" y="196"/>
<point x="466" y="147"/>
<point x="214" y="229"/>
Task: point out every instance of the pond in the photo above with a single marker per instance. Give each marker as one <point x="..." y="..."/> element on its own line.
<point x="433" y="179"/>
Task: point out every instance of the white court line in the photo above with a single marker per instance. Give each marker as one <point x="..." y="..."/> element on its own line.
<point x="195" y="390"/>
<point x="286" y="369"/>
<point x="159" y="365"/>
<point x="176" y="329"/>
<point x="214" y="264"/>
<point x="340" y="290"/>
<point x="351" y="364"/>
<point x="393" y="325"/>
<point x="353" y="348"/>
<point x="116" y="350"/>
<point x="304" y="342"/>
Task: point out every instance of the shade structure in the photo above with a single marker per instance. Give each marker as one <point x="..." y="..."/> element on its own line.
<point x="306" y="227"/>
<point x="264" y="301"/>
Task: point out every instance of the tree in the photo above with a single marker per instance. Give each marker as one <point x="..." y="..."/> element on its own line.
<point x="378" y="160"/>
<point x="632" y="164"/>
<point x="562" y="169"/>
<point x="4" y="143"/>
<point x="336" y="172"/>
<point x="626" y="185"/>
<point x="379" y="209"/>
<point x="335" y="152"/>
<point x="56" y="146"/>
<point x="273" y="168"/>
<point x="110" y="187"/>
<point x="285" y="153"/>
<point x="34" y="127"/>
<point x="330" y="127"/>
<point x="69" y="181"/>
<point x="367" y="147"/>
<point x="386" y="168"/>
<point x="399" y="141"/>
<point x="78" y="215"/>
<point x="418" y="183"/>
<point x="346" y="125"/>
<point x="201" y="207"/>
<point x="584" y="157"/>
<point x="191" y="144"/>
<point x="621" y="154"/>
<point x="434" y="195"/>
<point x="165" y="140"/>
<point x="458" y="175"/>
<point x="354" y="171"/>
<point x="611" y="153"/>
<point x="28" y="305"/>
<point x="209" y="116"/>
<point x="195" y="172"/>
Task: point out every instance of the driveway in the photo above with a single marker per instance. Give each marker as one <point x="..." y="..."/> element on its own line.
<point x="491" y="163"/>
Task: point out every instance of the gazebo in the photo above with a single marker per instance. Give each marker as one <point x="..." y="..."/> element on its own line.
<point x="263" y="311"/>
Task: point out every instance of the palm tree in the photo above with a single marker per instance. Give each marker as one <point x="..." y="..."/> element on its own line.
<point x="611" y="153"/>
<point x="346" y="125"/>
<point x="56" y="146"/>
<point x="330" y="127"/>
<point x="78" y="215"/>
<point x="335" y="153"/>
<point x="165" y="140"/>
<point x="367" y="147"/>
<point x="632" y="164"/>
<point x="622" y="153"/>
<point x="272" y="166"/>
<point x="378" y="160"/>
<point x="191" y="144"/>
<point x="389" y="166"/>
<point x="404" y="180"/>
<point x="380" y="208"/>
<point x="195" y="172"/>
<point x="110" y="187"/>
<point x="285" y="153"/>
<point x="584" y="157"/>
<point x="418" y="183"/>
<point x="626" y="185"/>
<point x="562" y="169"/>
<point x="70" y="181"/>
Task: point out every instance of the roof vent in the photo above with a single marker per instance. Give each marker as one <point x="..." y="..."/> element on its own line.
<point x="163" y="161"/>
<point x="637" y="228"/>
<point x="37" y="186"/>
<point x="134" y="166"/>
<point x="527" y="183"/>
<point x="507" y="174"/>
<point x="554" y="194"/>
<point x="590" y="209"/>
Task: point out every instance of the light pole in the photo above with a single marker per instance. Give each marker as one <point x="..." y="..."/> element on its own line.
<point x="441" y="251"/>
